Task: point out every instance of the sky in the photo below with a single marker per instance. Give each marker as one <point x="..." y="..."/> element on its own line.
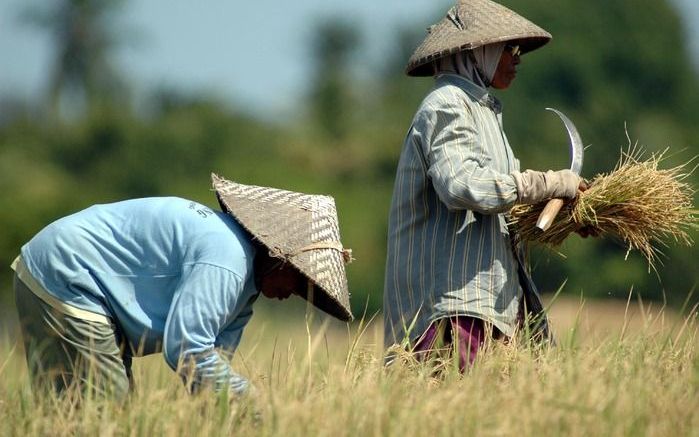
<point x="252" y="54"/>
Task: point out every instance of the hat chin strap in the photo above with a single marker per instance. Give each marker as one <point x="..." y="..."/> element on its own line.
<point x="334" y="245"/>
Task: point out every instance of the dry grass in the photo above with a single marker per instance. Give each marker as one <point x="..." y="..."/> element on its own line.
<point x="638" y="203"/>
<point x="638" y="375"/>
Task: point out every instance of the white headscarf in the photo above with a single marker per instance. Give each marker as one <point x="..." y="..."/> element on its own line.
<point x="477" y="65"/>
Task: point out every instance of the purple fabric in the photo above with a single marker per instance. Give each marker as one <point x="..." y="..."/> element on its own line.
<point x="468" y="332"/>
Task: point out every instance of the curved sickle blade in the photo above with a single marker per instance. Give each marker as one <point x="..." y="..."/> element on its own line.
<point x="577" y="149"/>
<point x="550" y="211"/>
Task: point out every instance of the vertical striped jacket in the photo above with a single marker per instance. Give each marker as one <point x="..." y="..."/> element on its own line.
<point x="449" y="250"/>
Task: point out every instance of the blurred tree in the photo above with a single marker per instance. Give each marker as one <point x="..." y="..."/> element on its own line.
<point x="612" y="66"/>
<point x="611" y="62"/>
<point x="82" y="76"/>
<point x="333" y="44"/>
<point x="400" y="97"/>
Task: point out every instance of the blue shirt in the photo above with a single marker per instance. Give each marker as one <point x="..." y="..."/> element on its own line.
<point x="174" y="276"/>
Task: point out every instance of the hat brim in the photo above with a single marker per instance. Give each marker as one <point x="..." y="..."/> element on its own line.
<point x="423" y="67"/>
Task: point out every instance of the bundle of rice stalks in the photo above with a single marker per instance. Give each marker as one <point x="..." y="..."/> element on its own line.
<point x="637" y="204"/>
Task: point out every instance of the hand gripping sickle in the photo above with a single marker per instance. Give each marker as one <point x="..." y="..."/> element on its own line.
<point x="576" y="161"/>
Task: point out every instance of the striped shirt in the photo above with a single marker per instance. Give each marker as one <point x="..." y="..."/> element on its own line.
<point x="449" y="249"/>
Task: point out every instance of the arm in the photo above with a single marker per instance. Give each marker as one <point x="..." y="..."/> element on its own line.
<point x="201" y="320"/>
<point x="458" y="164"/>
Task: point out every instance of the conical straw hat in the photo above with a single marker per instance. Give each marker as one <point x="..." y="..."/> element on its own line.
<point x="470" y="24"/>
<point x="299" y="228"/>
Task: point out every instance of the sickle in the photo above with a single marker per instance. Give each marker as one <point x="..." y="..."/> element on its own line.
<point x="548" y="214"/>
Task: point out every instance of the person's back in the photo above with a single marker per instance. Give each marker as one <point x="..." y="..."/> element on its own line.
<point x="126" y="260"/>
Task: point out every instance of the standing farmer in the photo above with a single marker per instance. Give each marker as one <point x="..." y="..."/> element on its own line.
<point x="453" y="276"/>
<point x="166" y="274"/>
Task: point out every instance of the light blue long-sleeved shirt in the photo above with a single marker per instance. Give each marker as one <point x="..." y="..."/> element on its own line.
<point x="173" y="275"/>
<point x="449" y="249"/>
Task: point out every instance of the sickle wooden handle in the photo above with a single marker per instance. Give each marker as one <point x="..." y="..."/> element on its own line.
<point x="549" y="213"/>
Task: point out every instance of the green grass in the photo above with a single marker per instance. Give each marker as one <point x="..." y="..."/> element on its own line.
<point x="616" y="371"/>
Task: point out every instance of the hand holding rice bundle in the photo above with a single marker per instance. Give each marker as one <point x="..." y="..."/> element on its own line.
<point x="637" y="203"/>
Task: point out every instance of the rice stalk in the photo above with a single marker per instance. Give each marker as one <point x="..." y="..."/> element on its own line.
<point x="638" y="204"/>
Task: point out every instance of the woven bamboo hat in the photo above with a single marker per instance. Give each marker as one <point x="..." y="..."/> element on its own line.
<point x="471" y="24"/>
<point x="299" y="228"/>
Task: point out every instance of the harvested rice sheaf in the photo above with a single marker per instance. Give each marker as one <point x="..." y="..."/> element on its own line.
<point x="638" y="204"/>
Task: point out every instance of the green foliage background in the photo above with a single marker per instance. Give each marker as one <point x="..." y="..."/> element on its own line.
<point x="613" y="65"/>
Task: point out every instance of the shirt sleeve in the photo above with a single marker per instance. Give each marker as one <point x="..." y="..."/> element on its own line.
<point x="458" y="162"/>
<point x="202" y="319"/>
<point x="229" y="339"/>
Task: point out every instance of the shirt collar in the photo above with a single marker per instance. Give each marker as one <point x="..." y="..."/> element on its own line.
<point x="479" y="94"/>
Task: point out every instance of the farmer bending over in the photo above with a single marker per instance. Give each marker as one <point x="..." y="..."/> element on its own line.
<point x="142" y="276"/>
<point x="453" y="275"/>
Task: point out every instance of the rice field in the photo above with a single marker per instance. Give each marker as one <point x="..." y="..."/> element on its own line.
<point x="617" y="370"/>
